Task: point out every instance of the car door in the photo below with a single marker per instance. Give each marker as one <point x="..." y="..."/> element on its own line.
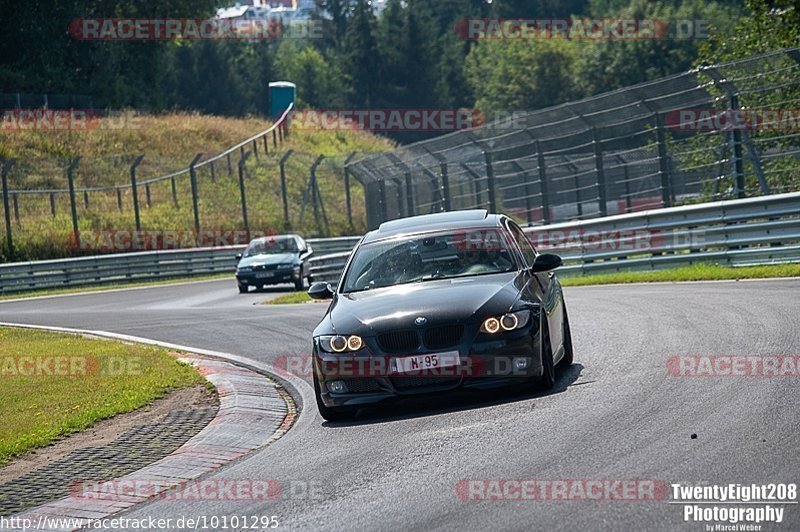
<point x="550" y="289"/>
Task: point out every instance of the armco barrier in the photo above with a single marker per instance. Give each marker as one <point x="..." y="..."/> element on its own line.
<point x="762" y="230"/>
<point x="752" y="231"/>
<point x="139" y="266"/>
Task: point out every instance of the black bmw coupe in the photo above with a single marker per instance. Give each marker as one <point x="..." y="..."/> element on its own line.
<point x="434" y="303"/>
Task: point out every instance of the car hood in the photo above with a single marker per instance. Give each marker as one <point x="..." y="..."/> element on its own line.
<point x="440" y="302"/>
<point x="267" y="259"/>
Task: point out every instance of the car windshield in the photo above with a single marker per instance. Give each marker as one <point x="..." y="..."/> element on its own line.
<point x="419" y="258"/>
<point x="271" y="246"/>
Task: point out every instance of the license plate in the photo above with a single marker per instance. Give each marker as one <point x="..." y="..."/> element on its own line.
<point x="263" y="275"/>
<point x="426" y="362"/>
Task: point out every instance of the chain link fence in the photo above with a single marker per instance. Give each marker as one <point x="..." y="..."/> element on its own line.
<point x="724" y="131"/>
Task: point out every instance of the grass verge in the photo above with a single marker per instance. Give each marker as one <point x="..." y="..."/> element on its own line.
<point x="288" y="299"/>
<point x="52" y="385"/>
<point x="697" y="272"/>
<point x="114" y="286"/>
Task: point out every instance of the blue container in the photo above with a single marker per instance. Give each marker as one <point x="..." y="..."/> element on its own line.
<point x="282" y="94"/>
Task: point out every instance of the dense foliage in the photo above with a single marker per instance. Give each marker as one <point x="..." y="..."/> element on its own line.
<point x="410" y="56"/>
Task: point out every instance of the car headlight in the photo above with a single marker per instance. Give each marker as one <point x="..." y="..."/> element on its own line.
<point x="506" y="322"/>
<point x="340" y="344"/>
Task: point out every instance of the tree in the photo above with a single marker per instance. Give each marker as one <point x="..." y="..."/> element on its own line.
<point x="522" y="75"/>
<point x="360" y="59"/>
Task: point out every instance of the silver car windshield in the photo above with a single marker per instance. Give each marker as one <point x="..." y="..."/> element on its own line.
<point x="271" y="246"/>
<point x="419" y="258"/>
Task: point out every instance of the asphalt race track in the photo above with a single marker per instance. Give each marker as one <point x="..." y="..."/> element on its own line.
<point x="616" y="414"/>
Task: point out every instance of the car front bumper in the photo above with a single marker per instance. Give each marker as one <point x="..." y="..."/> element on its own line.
<point x="258" y="278"/>
<point x="486" y="364"/>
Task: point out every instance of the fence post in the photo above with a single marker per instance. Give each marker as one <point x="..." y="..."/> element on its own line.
<point x="409" y="194"/>
<point x="663" y="169"/>
<point x="540" y="166"/>
<point x="382" y="199"/>
<point x="274" y="139"/>
<point x="53" y="204"/>
<point x="490" y="181"/>
<point x="347" y="189"/>
<point x="242" y="191"/>
<point x="316" y="198"/>
<point x="601" y="176"/>
<point x="230" y="166"/>
<point x="400" y="206"/>
<point x="174" y="192"/>
<point x="284" y="195"/>
<point x="528" y="192"/>
<point x="86" y="199"/>
<point x="445" y="185"/>
<point x="6" y="208"/>
<point x="213" y="172"/>
<point x="266" y="144"/>
<point x="738" y="157"/>
<point x="255" y="148"/>
<point x="71" y="183"/>
<point x="193" y="179"/>
<point x="135" y="192"/>
<point x="147" y="195"/>
<point x="119" y="199"/>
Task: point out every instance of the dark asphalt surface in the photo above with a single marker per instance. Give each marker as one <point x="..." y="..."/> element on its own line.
<point x="616" y="414"/>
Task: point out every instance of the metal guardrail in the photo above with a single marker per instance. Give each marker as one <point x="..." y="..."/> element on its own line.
<point x="140" y="266"/>
<point x="745" y="232"/>
<point x="763" y="230"/>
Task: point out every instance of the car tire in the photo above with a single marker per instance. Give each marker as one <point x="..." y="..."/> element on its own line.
<point x="298" y="284"/>
<point x="548" y="378"/>
<point x="328" y="412"/>
<point x="243" y="288"/>
<point x="567" y="359"/>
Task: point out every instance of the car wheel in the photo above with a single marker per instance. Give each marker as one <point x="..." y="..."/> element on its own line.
<point x="298" y="284"/>
<point x="243" y="288"/>
<point x="568" y="352"/>
<point x="331" y="413"/>
<point x="548" y="378"/>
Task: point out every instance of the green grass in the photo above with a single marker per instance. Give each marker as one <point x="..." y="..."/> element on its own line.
<point x="288" y="299"/>
<point x="114" y="286"/>
<point x="101" y="379"/>
<point x="697" y="272"/>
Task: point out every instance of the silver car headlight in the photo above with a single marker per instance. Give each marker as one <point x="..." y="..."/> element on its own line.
<point x="506" y="322"/>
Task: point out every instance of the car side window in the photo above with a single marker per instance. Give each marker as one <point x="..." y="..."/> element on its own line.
<point x="524" y="243"/>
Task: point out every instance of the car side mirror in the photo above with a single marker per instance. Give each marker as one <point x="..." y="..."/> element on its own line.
<point x="238" y="256"/>
<point x="546" y="262"/>
<point x="320" y="291"/>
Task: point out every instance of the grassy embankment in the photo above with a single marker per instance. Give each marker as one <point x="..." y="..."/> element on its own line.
<point x="169" y="142"/>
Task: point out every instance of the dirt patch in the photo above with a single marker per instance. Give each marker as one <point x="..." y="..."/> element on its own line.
<point x="106" y="431"/>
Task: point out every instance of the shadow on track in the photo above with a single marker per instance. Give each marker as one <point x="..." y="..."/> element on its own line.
<point x="454" y="401"/>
